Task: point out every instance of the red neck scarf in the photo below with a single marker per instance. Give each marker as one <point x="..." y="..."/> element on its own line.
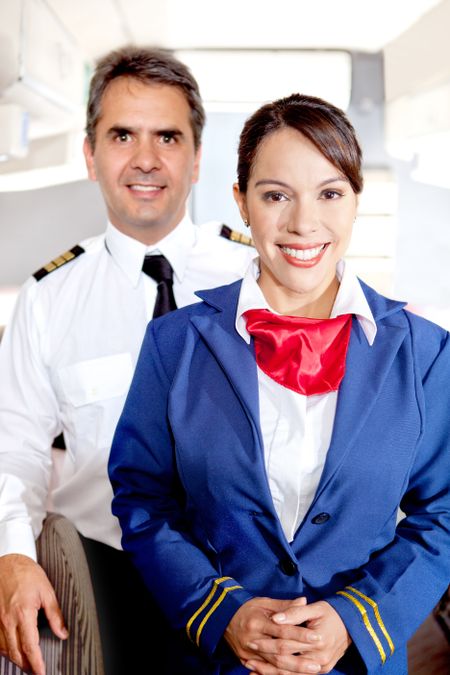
<point x="306" y="355"/>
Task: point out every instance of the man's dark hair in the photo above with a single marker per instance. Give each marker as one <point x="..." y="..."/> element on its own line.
<point x="150" y="66"/>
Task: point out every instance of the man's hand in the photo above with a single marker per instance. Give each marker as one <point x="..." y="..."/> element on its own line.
<point x="24" y="589"/>
<point x="315" y="638"/>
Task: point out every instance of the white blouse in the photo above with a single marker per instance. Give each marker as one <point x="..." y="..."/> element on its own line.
<point x="296" y="429"/>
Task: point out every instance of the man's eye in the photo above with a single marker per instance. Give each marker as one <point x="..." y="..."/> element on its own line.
<point x="123" y="136"/>
<point x="167" y="138"/>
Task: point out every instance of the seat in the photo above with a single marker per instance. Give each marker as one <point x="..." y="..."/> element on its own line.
<point x="61" y="554"/>
<point x="429" y="647"/>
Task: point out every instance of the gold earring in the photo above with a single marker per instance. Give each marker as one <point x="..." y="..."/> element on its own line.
<point x="246" y="223"/>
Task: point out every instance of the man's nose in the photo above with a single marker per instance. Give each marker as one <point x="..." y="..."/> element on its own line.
<point x="145" y="156"/>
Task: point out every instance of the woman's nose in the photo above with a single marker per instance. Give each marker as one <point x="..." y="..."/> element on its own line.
<point x="303" y="218"/>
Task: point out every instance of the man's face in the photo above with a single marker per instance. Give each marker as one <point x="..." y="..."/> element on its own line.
<point x="144" y="157"/>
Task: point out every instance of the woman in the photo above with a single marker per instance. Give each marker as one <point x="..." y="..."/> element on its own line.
<point x="273" y="430"/>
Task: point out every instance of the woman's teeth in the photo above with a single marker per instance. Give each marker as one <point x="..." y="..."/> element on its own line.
<point x="303" y="254"/>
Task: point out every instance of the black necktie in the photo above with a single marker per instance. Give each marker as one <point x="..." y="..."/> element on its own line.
<point x="159" y="268"/>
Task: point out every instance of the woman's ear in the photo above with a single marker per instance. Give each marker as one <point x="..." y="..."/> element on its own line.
<point x="241" y="201"/>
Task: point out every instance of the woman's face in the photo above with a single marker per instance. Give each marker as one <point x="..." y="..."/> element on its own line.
<point x="301" y="211"/>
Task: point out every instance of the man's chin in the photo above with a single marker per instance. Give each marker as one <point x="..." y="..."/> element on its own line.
<point x="148" y="229"/>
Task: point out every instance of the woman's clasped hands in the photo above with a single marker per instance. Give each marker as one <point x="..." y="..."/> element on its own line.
<point x="279" y="637"/>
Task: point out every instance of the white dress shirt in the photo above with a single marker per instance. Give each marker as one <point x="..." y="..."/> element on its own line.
<point x="296" y="429"/>
<point x="66" y="362"/>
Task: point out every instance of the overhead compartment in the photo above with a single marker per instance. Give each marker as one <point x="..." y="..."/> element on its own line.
<point x="42" y="71"/>
<point x="418" y="97"/>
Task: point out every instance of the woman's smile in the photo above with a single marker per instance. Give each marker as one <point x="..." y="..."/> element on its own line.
<point x="303" y="257"/>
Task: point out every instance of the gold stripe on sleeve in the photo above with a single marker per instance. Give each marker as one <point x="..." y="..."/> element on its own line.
<point x="207" y="601"/>
<point x="374" y="606"/>
<point x="213" y="609"/>
<point x="367" y="623"/>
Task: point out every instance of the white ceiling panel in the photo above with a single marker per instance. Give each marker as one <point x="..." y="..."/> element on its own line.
<point x="97" y="25"/>
<point x="191" y="24"/>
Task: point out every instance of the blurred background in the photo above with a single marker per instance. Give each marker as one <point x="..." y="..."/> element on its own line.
<point x="387" y="64"/>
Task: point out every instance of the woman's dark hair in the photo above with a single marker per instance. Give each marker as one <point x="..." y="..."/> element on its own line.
<point x="148" y="66"/>
<point x="322" y="123"/>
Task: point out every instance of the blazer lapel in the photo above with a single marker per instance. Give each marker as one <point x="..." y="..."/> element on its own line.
<point x="237" y="360"/>
<point x="238" y="363"/>
<point x="366" y="370"/>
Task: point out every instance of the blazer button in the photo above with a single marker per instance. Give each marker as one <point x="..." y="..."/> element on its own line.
<point x="320" y="519"/>
<point x="288" y="567"/>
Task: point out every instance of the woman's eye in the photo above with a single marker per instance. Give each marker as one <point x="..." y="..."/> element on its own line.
<point x="274" y="196"/>
<point x="331" y="194"/>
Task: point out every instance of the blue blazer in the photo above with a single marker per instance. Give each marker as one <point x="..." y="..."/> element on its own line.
<point x="192" y="495"/>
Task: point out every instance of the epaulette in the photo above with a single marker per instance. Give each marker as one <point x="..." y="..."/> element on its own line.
<point x="58" y="262"/>
<point x="234" y="235"/>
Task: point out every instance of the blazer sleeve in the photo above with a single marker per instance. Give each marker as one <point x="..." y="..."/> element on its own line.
<point x="393" y="593"/>
<point x="177" y="568"/>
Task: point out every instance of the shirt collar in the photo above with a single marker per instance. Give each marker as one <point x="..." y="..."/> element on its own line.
<point x="129" y="253"/>
<point x="350" y="299"/>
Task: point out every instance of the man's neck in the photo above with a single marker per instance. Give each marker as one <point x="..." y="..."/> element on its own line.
<point x="147" y="235"/>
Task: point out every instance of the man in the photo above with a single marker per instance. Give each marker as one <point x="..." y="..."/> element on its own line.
<point x="68" y="355"/>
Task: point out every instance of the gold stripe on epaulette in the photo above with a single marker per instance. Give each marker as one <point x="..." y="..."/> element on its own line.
<point x="376" y="611"/>
<point x="241" y="238"/>
<point x="234" y="235"/>
<point x="368" y="625"/>
<point x="58" y="262"/>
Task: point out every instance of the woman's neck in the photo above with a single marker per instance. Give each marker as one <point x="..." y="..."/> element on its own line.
<point x="291" y="303"/>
